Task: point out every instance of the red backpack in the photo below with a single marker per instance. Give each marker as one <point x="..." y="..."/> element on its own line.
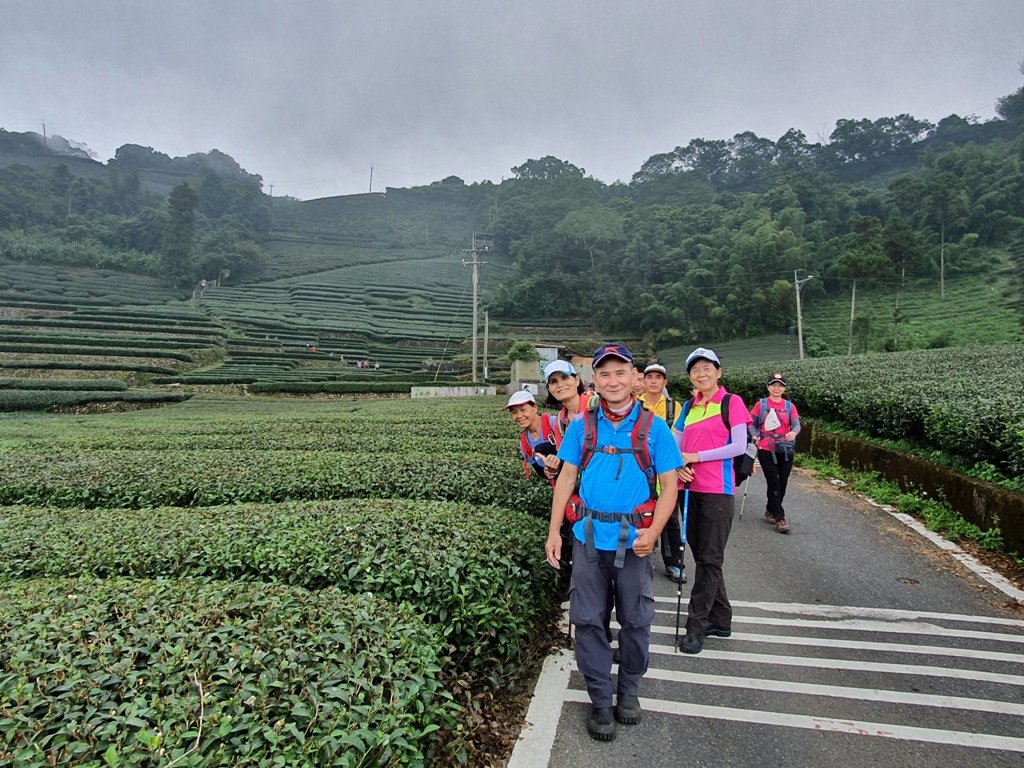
<point x="640" y="449"/>
<point x="548" y="432"/>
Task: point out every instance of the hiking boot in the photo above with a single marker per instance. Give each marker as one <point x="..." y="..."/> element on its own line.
<point x="770" y="518"/>
<point x="692" y="643"/>
<point x="675" y="573"/>
<point x="782" y="526"/>
<point x="715" y="631"/>
<point x="627" y="709"/>
<point x="601" y="725"/>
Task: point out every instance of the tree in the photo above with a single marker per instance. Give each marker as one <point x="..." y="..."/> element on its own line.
<point x="864" y="258"/>
<point x="947" y="203"/>
<point x="904" y="249"/>
<point x="591" y="227"/>
<point x="546" y="169"/>
<point x="1011" y="106"/>
<point x="176" y="256"/>
<point x="523" y="350"/>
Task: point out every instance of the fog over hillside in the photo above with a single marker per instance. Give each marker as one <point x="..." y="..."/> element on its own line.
<point x="310" y="96"/>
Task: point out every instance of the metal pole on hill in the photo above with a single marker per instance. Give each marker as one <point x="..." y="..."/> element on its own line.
<point x="798" y="284"/>
<point x="487" y="328"/>
<point x="476" y="264"/>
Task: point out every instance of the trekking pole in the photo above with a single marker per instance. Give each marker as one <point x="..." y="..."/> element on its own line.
<point x="682" y="550"/>
<point x="746" y="484"/>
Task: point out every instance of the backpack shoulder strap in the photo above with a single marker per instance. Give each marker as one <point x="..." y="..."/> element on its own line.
<point x="725" y="412"/>
<point x="641" y="448"/>
<point x="687" y="405"/>
<point x="762" y="413"/>
<point x="589" y="433"/>
<point x="670" y="409"/>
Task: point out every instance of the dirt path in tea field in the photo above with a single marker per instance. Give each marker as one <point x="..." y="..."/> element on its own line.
<point x="856" y="642"/>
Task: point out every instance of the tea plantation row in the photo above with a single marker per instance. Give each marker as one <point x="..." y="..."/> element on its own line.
<point x="964" y="401"/>
<point x="167" y="595"/>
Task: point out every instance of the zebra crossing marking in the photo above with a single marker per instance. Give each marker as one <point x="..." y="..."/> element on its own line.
<point x="862" y="728"/>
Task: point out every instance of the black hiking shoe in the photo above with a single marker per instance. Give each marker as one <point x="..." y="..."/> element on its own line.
<point x="714" y="631"/>
<point x="601" y="725"/>
<point x="692" y="643"/>
<point x="627" y="709"/>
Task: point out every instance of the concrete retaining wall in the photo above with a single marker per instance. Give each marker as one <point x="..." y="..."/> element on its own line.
<point x="984" y="504"/>
<point x="418" y="392"/>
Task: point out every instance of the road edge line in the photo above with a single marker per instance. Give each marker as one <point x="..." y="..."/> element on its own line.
<point x="989" y="575"/>
<point x="537" y="738"/>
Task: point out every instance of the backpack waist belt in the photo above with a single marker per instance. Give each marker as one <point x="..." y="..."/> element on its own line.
<point x="624" y="519"/>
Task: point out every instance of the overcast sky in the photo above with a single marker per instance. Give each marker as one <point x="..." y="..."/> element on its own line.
<point x="310" y="94"/>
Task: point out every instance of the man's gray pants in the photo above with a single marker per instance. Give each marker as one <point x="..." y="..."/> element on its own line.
<point x="589" y="589"/>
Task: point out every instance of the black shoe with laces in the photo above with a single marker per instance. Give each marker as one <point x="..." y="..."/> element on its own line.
<point x="714" y="631"/>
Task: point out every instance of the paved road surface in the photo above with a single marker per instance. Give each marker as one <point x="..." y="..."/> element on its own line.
<point x="855" y="643"/>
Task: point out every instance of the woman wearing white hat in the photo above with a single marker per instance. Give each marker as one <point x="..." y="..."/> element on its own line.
<point x="565" y="391"/>
<point x="538" y="441"/>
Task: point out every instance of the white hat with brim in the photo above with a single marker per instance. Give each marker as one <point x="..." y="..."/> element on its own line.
<point x="558" y="366"/>
<point x="518" y="398"/>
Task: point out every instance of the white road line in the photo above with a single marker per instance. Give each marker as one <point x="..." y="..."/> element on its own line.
<point x="538" y="734"/>
<point x="839" y="692"/>
<point x="848" y="664"/>
<point x="862" y="728"/>
<point x="877" y="626"/>
<point x="864" y="645"/>
<point x="860" y="612"/>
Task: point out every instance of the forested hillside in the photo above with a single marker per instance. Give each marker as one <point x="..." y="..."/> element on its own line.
<point x="703" y="245"/>
<point x="179" y="219"/>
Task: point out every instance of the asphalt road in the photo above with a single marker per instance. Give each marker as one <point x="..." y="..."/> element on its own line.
<point x="855" y="643"/>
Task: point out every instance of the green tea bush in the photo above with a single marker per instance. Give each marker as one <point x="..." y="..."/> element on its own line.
<point x="64" y="384"/>
<point x="125" y="672"/>
<point x="83" y="365"/>
<point x="147" y="478"/>
<point x="42" y="399"/>
<point x="927" y="397"/>
<point x="475" y="571"/>
<point x="61" y="349"/>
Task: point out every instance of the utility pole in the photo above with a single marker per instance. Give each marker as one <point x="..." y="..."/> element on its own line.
<point x="371" y="178"/>
<point x="271" y="190"/>
<point x="487" y="328"/>
<point x="797" y="285"/>
<point x="476" y="264"/>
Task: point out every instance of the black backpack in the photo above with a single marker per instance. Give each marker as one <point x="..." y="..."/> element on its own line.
<point x="742" y="465"/>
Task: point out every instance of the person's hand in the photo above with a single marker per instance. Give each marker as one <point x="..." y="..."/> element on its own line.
<point x="645" y="541"/>
<point x="553" y="549"/>
<point x="551" y="466"/>
<point x="790" y="436"/>
<point x="685" y="474"/>
<point x="691" y="458"/>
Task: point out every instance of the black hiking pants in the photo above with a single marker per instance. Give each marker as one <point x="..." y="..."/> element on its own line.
<point x="776" y="466"/>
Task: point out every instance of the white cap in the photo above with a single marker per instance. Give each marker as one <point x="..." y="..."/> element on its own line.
<point x="558" y="366"/>
<point x="656" y="368"/>
<point x="520" y="397"/>
<point x="700" y="353"/>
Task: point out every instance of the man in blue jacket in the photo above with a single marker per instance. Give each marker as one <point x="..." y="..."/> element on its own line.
<point x="615" y="534"/>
